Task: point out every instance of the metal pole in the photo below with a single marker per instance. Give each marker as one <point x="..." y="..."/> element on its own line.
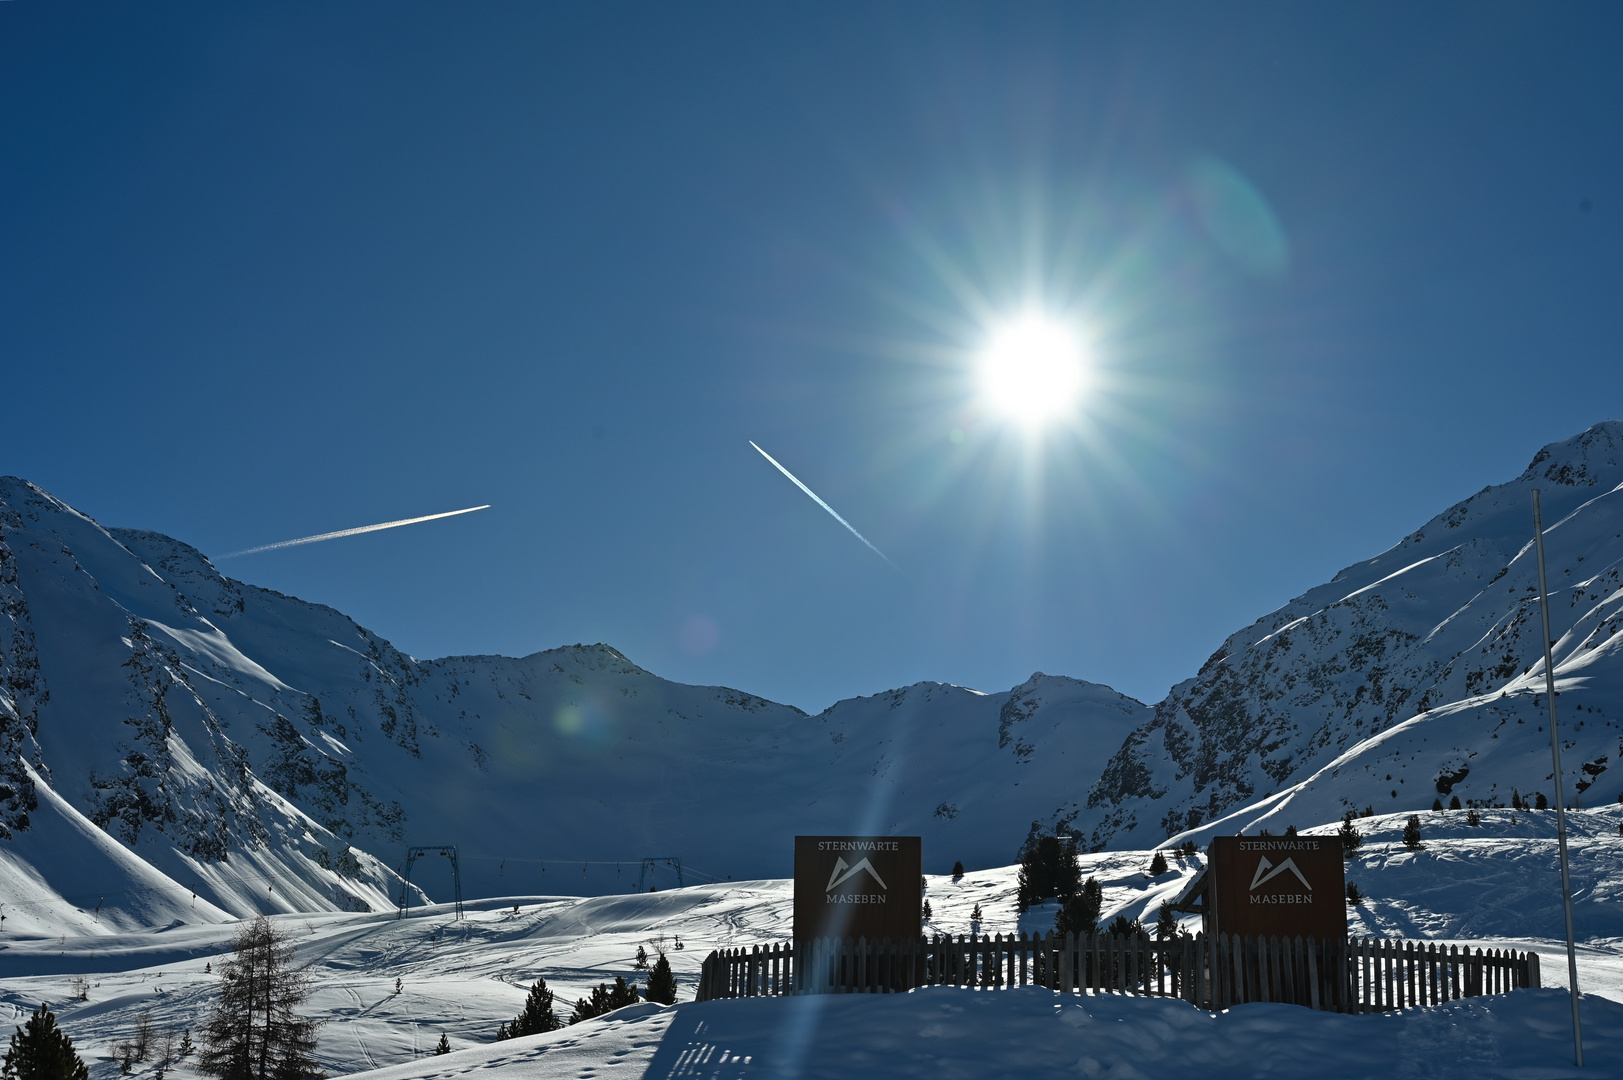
<point x="1560" y="808"/>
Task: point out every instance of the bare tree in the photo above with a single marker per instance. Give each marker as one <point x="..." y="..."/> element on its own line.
<point x="253" y="1032"/>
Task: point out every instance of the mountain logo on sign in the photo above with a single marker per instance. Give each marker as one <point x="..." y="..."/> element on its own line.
<point x="843" y="873"/>
<point x="1266" y="872"/>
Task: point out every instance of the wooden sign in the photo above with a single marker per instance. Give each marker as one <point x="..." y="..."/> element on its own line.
<point x="1276" y="886"/>
<point x="859" y="886"/>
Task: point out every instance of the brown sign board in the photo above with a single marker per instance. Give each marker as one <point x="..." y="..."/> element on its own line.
<point x="1276" y="886"/>
<point x="859" y="887"/>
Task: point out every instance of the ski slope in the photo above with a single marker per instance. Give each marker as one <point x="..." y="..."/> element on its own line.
<point x="1492" y="886"/>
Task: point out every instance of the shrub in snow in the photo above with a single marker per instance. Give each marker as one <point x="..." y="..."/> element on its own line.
<point x="1354" y="897"/>
<point x="444" y="1046"/>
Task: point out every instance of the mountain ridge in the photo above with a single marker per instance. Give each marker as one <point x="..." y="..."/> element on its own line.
<point x="265" y="750"/>
<point x="202" y="720"/>
<point x="1411" y="632"/>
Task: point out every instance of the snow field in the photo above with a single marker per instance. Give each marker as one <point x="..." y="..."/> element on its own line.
<point x="1490" y="885"/>
<point x="944" y="1033"/>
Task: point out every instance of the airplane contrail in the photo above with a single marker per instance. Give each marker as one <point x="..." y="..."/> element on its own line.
<point x="796" y="481"/>
<point x="353" y="532"/>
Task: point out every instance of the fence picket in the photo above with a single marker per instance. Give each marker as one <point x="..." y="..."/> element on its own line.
<point x="1216" y="973"/>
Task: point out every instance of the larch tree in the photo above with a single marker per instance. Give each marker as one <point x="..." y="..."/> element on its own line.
<point x="254" y="1031"/>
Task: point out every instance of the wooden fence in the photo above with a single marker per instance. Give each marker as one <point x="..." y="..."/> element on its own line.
<point x="1353" y="975"/>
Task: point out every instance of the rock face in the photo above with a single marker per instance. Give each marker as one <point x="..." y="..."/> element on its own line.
<point x="1422" y="664"/>
<point x="270" y="754"/>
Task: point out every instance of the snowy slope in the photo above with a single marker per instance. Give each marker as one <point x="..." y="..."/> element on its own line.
<point x="269" y="752"/>
<point x="944" y="1033"/>
<point x="1495" y="885"/>
<point x="1414" y="676"/>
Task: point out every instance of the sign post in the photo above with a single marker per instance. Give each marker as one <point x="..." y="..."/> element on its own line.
<point x="858" y="887"/>
<point x="1276" y="886"/>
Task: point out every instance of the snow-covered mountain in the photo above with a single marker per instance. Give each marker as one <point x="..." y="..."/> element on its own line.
<point x="1415" y="676"/>
<point x="205" y="745"/>
<point x="267" y="753"/>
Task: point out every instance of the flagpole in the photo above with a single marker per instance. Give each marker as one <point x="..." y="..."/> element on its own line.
<point x="1560" y="808"/>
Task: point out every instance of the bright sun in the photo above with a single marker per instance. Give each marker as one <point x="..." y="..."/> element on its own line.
<point x="1032" y="371"/>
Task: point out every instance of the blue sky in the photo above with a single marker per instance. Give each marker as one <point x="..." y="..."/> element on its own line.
<point x="274" y="270"/>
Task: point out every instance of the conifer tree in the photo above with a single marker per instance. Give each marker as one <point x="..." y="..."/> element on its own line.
<point x="1411" y="833"/>
<point x="958" y="867"/>
<point x="1472" y="817"/>
<point x="1437" y="805"/>
<point x="1350" y="836"/>
<point x="537" y="1015"/>
<point x="253" y="1032"/>
<point x="1354" y="897"/>
<point x="1079" y="914"/>
<point x="1158" y="865"/>
<point x="42" y="1051"/>
<point x="604" y="999"/>
<point x="1122" y="926"/>
<point x="975" y="916"/>
<point x="444" y="1046"/>
<point x="1166" y="921"/>
<point x="928" y="914"/>
<point x="1454" y="803"/>
<point x="1048" y="868"/>
<point x="661" y="983"/>
<point x="1540" y="802"/>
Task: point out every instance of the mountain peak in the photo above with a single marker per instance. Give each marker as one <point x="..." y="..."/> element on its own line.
<point x="1592" y="457"/>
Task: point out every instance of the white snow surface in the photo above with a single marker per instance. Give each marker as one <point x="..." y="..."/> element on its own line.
<point x="464" y="977"/>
